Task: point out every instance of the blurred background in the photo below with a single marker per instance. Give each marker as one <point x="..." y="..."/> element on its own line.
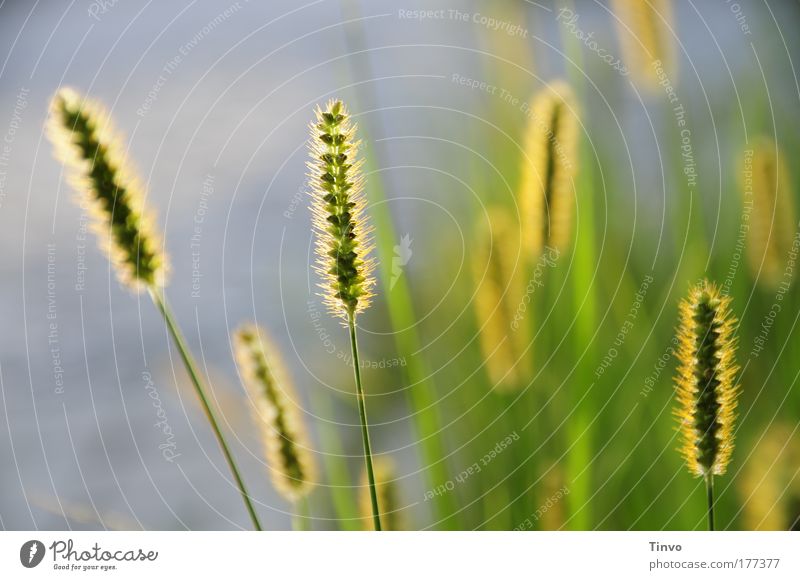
<point x="215" y="99"/>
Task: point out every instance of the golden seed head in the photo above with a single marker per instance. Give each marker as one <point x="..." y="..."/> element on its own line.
<point x="85" y="141"/>
<point x="275" y="409"/>
<point x="389" y="504"/>
<point x="554" y="491"/>
<point x="343" y="235"/>
<point x="770" y="483"/>
<point x="645" y="33"/>
<point x="498" y="274"/>
<point x="706" y="393"/>
<point x="772" y="220"/>
<point x="549" y="166"/>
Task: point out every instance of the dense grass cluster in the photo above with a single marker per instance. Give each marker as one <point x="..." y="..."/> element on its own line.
<point x="542" y="399"/>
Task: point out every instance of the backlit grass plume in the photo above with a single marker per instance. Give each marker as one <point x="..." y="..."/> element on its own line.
<point x="499" y="306"/>
<point x="343" y="245"/>
<point x="706" y="394"/>
<point x="767" y="186"/>
<point x="644" y="28"/>
<point x="546" y="195"/>
<point x="86" y="142"/>
<point x="343" y="235"/>
<point x="274" y="408"/>
<point x="770" y="485"/>
<point x="94" y="155"/>
<point x="388" y="496"/>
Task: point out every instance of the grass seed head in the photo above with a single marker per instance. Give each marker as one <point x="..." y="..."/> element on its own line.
<point x="275" y="409"/>
<point x="499" y="293"/>
<point x="549" y="166"/>
<point x="645" y="33"/>
<point x="343" y="236"/>
<point x="86" y="143"/>
<point x="706" y="394"/>
<point x="772" y="221"/>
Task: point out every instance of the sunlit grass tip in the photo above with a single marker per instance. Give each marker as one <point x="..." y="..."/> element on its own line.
<point x="274" y="405"/>
<point x="343" y="242"/>
<point x="767" y="185"/>
<point x="500" y="306"/>
<point x="86" y="142"/>
<point x="645" y="34"/>
<point x="706" y="390"/>
<point x="549" y="165"/>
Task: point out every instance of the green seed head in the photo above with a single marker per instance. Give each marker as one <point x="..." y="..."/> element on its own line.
<point x="343" y="244"/>
<point x="546" y="195"/>
<point x="275" y="410"/>
<point x="85" y="141"/>
<point x="706" y="393"/>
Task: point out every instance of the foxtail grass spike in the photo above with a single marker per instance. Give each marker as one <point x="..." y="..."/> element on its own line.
<point x="499" y="301"/>
<point x="273" y="402"/>
<point x="768" y="186"/>
<point x="343" y="241"/>
<point x="549" y="166"/>
<point x="388" y="496"/>
<point x="86" y="142"/>
<point x="706" y="394"/>
<point x="646" y="38"/>
<point x="343" y="235"/>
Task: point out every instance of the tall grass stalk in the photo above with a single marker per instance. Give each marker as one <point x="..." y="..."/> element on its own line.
<point x="343" y="239"/>
<point x="585" y="267"/>
<point x="362" y="413"/>
<point x="705" y="389"/>
<point x="709" y="481"/>
<point x="422" y="391"/>
<point x="160" y="301"/>
<point x="85" y="140"/>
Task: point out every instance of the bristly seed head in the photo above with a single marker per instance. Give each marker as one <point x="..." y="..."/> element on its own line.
<point x="646" y="37"/>
<point x="274" y="407"/>
<point x="498" y="275"/>
<point x="549" y="166"/>
<point x="86" y="142"/>
<point x="768" y="184"/>
<point x="706" y="394"/>
<point x="343" y="236"/>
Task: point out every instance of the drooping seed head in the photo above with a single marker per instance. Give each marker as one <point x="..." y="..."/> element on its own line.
<point x="645" y="32"/>
<point x="549" y="166"/>
<point x="772" y="220"/>
<point x="343" y="235"/>
<point x="86" y="142"/>
<point x="499" y="307"/>
<point x="389" y="504"/>
<point x="706" y="393"/>
<point x="274" y="404"/>
<point x="770" y="485"/>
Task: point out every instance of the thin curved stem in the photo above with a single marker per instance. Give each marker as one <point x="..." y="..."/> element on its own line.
<point x="362" y="411"/>
<point x="710" y="497"/>
<point x="194" y="375"/>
